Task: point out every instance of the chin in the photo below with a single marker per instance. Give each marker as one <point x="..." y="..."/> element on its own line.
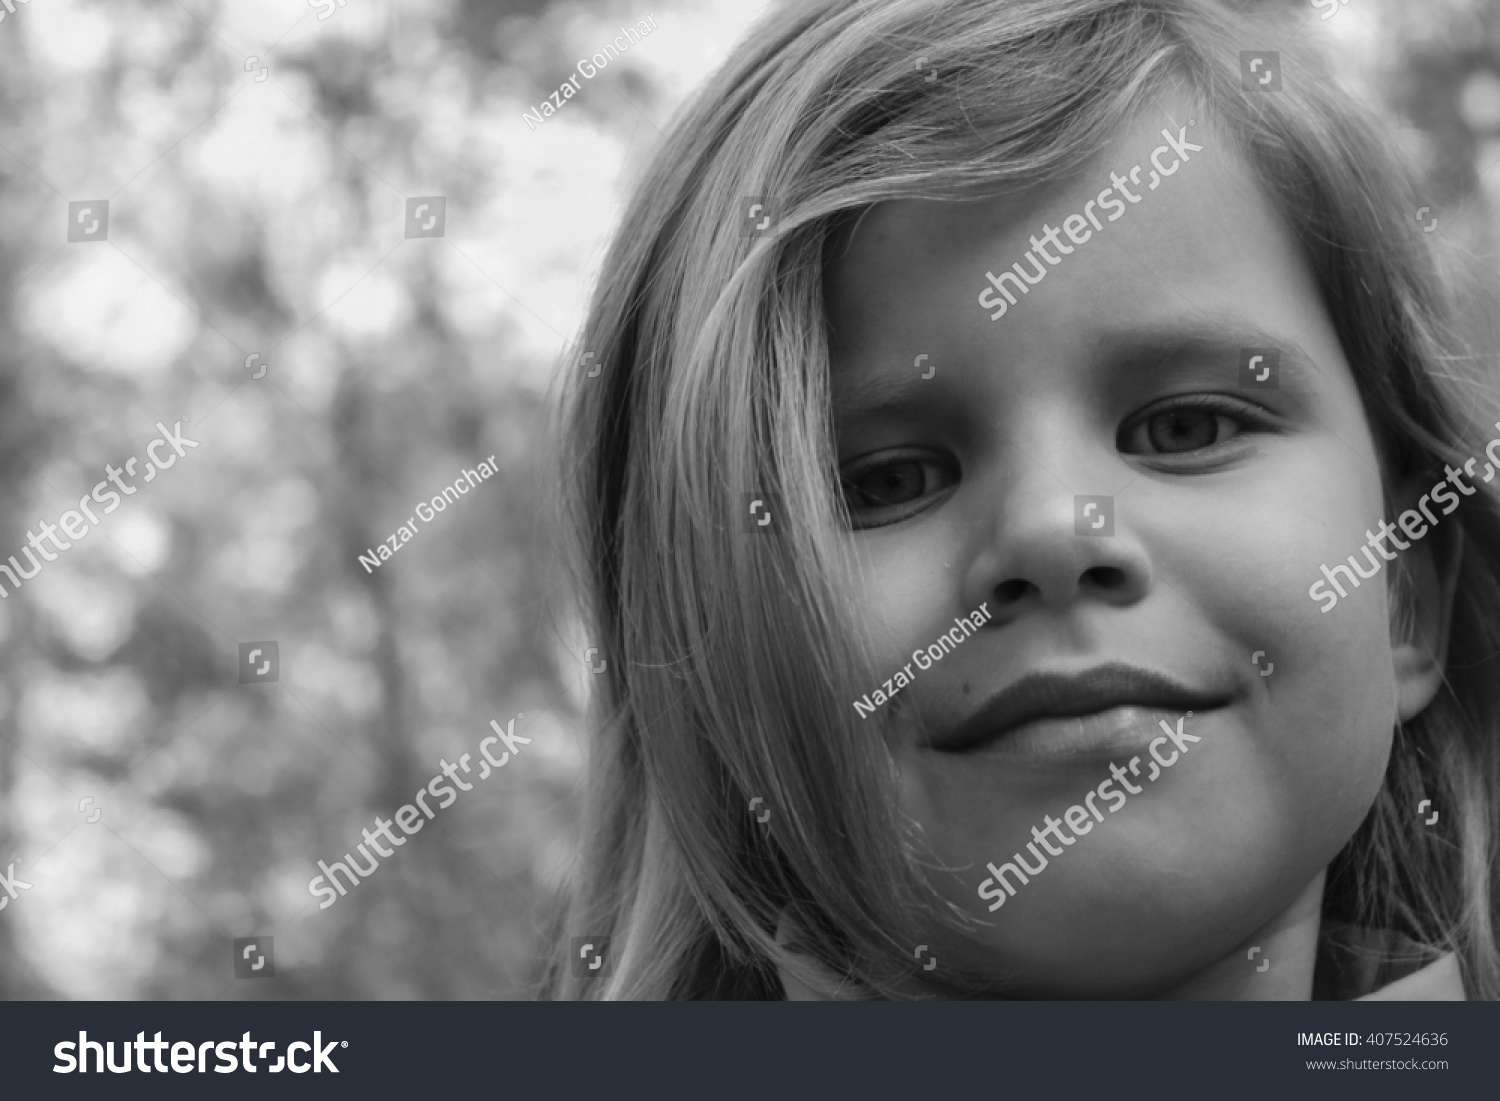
<point x="1143" y="956"/>
<point x="1124" y="926"/>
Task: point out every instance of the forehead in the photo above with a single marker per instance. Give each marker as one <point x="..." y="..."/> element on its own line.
<point x="1206" y="242"/>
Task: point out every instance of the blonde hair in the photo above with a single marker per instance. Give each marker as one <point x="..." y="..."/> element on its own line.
<point x="731" y="654"/>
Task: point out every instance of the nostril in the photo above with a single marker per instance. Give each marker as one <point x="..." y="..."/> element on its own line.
<point x="1012" y="591"/>
<point x="1108" y="578"/>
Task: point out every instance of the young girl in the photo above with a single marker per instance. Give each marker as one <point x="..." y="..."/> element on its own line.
<point x="993" y="393"/>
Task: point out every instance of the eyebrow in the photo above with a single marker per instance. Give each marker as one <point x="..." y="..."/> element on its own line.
<point x="1218" y="341"/>
<point x="872" y="392"/>
<point x="1215" y="340"/>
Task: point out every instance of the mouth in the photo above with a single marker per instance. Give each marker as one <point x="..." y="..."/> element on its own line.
<point x="1050" y="713"/>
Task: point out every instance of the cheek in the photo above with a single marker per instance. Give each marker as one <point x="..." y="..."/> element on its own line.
<point x="905" y="581"/>
<point x="1321" y="697"/>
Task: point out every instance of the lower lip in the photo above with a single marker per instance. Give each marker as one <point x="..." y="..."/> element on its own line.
<point x="1104" y="734"/>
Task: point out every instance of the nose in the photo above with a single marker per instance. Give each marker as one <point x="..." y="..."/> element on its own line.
<point x="1039" y="550"/>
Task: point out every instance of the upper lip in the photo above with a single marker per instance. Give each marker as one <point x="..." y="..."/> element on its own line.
<point x="1068" y="695"/>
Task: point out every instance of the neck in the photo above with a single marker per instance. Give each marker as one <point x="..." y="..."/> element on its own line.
<point x="1289" y="941"/>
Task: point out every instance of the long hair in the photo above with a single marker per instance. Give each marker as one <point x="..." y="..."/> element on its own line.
<point x="728" y="782"/>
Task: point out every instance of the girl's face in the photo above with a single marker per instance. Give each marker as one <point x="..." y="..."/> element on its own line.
<point x="1120" y="379"/>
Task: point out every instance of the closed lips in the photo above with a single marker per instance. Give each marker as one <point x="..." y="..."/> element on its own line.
<point x="1071" y="695"/>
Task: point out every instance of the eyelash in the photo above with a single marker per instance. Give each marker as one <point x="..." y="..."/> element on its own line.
<point x="889" y="461"/>
<point x="1248" y="417"/>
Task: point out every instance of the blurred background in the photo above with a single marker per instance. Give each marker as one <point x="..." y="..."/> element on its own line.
<point x="256" y="278"/>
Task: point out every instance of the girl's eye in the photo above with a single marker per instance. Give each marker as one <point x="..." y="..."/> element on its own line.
<point x="1195" y="425"/>
<point x="893" y="488"/>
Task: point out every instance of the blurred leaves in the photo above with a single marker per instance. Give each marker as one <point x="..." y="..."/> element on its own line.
<point x="266" y="216"/>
